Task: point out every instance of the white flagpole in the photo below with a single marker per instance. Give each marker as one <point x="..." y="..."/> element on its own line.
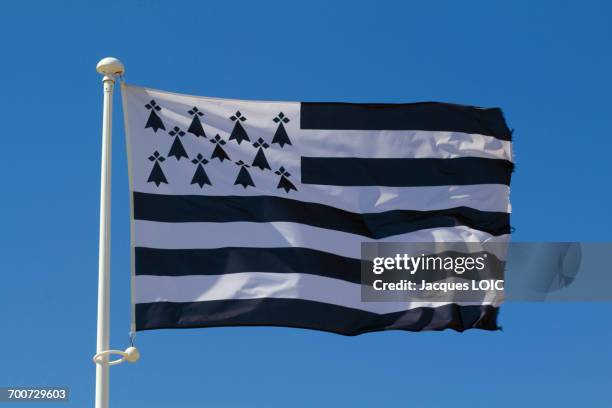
<point x="109" y="67"/>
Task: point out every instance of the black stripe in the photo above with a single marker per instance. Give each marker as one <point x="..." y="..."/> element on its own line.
<point x="220" y="261"/>
<point x="309" y="315"/>
<point x="348" y="171"/>
<point x="197" y="208"/>
<point x="432" y="116"/>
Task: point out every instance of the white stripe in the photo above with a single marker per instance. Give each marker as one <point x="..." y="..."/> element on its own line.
<point x="257" y="285"/>
<point x="201" y="235"/>
<point x="408" y="144"/>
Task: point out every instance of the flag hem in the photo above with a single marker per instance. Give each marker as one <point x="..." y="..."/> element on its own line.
<point x="131" y="187"/>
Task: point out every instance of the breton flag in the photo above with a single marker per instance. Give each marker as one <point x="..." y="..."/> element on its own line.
<point x="253" y="213"/>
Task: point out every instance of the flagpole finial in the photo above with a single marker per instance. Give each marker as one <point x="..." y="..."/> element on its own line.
<point x="109" y="67"/>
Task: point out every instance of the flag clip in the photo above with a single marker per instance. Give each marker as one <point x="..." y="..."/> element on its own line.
<point x="131" y="355"/>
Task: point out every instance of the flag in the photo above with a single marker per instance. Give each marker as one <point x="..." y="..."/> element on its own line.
<point x="252" y="213"/>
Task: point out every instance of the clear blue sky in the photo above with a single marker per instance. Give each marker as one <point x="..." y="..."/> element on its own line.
<point x="548" y="64"/>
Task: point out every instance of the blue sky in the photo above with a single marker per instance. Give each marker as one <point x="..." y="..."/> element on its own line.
<point x="546" y="63"/>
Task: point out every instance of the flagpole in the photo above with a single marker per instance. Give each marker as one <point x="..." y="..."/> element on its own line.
<point x="109" y="68"/>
